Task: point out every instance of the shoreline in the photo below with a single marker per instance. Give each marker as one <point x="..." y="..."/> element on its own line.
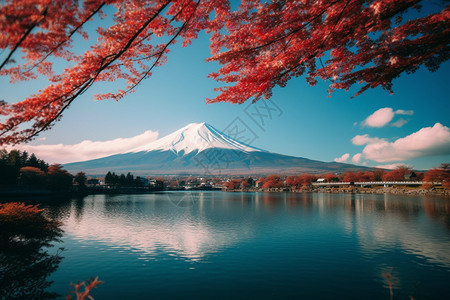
<point x="49" y="195"/>
<point x="354" y="190"/>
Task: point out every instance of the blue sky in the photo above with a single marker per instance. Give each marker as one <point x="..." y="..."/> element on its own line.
<point x="308" y="123"/>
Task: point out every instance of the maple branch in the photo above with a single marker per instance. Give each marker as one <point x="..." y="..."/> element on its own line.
<point x="68" y="38"/>
<point x="328" y="35"/>
<point x="86" y="84"/>
<point x="151" y="33"/>
<point x="161" y="53"/>
<point x="399" y="9"/>
<point x="131" y="40"/>
<point x="285" y="72"/>
<point x="17" y="45"/>
<point x="292" y="33"/>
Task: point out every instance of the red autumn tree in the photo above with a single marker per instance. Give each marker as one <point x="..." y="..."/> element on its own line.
<point x="378" y="174"/>
<point x="260" y="45"/>
<point x="365" y="176"/>
<point x="272" y="181"/>
<point x="306" y="179"/>
<point x="244" y="184"/>
<point x="396" y="175"/>
<point x="233" y="184"/>
<point x="349" y="177"/>
<point x="58" y="179"/>
<point x="31" y="176"/>
<point x="330" y="177"/>
<point x="292" y="181"/>
<point x="438" y="175"/>
<point x="419" y="176"/>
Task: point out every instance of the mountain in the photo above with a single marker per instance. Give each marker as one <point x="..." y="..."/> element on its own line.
<point x="201" y="149"/>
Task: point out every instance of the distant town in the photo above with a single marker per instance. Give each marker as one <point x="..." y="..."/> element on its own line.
<point x="24" y="174"/>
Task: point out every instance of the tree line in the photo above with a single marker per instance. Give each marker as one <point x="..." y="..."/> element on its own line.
<point x="128" y="180"/>
<point x="433" y="176"/>
<point x="20" y="169"/>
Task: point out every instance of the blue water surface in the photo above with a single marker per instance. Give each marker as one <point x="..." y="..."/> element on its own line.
<point x="218" y="245"/>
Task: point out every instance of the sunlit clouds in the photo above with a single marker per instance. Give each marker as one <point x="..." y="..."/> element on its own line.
<point x="85" y="150"/>
<point x="356" y="158"/>
<point x="360" y="140"/>
<point x="384" y="116"/>
<point x="394" y="166"/>
<point x="393" y="149"/>
<point x="379" y="118"/>
<point x="428" y="141"/>
<point x="343" y="158"/>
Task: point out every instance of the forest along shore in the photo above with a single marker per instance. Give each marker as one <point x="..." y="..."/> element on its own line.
<point x="354" y="190"/>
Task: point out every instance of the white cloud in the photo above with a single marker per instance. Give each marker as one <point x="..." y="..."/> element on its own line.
<point x="343" y="158"/>
<point x="428" y="141"/>
<point x="399" y="123"/>
<point x="383" y="116"/>
<point x="394" y="166"/>
<point x="87" y="149"/>
<point x="360" y="140"/>
<point x="380" y="118"/>
<point x="404" y="112"/>
<point x="356" y="158"/>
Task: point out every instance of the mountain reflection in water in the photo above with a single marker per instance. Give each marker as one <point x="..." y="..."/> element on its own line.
<point x="149" y="223"/>
<point x="203" y="245"/>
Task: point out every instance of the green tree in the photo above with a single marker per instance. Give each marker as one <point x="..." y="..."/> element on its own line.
<point x="58" y="179"/>
<point x="24" y="158"/>
<point x="159" y="184"/>
<point x="80" y="179"/>
<point x="33" y="161"/>
<point x="31" y="177"/>
<point x="108" y="178"/>
<point x="130" y="179"/>
<point x="122" y="180"/>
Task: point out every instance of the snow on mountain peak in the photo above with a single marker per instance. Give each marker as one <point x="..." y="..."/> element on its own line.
<point x="195" y="137"/>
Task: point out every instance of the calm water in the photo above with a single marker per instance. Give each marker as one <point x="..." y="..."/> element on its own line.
<point x="215" y="245"/>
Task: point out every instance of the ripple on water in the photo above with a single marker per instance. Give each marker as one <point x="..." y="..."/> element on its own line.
<point x="234" y="245"/>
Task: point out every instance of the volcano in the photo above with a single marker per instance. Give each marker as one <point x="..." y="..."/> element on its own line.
<point x="201" y="149"/>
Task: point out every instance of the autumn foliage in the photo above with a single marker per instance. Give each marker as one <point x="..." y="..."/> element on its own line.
<point x="272" y="181"/>
<point x="396" y="175"/>
<point x="259" y="45"/>
<point x="233" y="184"/>
<point x="18" y="169"/>
<point x="438" y="175"/>
<point x="16" y="215"/>
<point x="26" y="259"/>
<point x="82" y="289"/>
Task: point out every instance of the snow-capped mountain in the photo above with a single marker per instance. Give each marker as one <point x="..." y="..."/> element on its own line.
<point x="195" y="137"/>
<point x="201" y="149"/>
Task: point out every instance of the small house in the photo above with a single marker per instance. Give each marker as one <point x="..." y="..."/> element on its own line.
<point x="410" y="177"/>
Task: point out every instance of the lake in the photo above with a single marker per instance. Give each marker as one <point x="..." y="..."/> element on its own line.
<point x="218" y="245"/>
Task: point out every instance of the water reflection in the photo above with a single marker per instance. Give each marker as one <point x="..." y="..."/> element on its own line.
<point x="26" y="257"/>
<point x="216" y="221"/>
<point x="393" y="223"/>
<point x="150" y="224"/>
<point x="257" y="245"/>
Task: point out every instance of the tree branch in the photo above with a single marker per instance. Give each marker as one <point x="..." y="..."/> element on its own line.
<point x="68" y="38"/>
<point x="17" y="45"/>
<point x="84" y="86"/>
<point x="160" y="53"/>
